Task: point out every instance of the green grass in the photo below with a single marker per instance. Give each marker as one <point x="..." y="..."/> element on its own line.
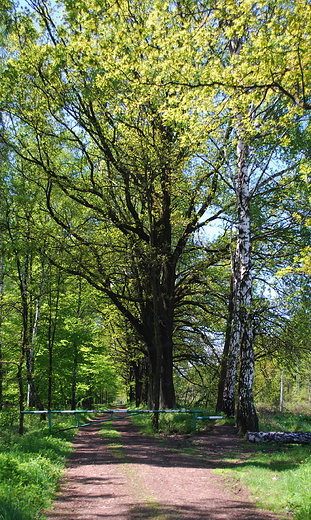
<point x="113" y="438"/>
<point x="284" y="422"/>
<point x="170" y="423"/>
<point x="277" y="476"/>
<point x="31" y="465"/>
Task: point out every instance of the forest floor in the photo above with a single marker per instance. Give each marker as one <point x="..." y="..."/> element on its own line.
<point x="143" y="478"/>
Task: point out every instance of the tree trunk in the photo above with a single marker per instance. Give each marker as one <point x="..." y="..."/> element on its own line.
<point x="75" y="352"/>
<point x="246" y="414"/>
<point x="21" y="392"/>
<point x="32" y="393"/>
<point x="24" y="279"/>
<point x="1" y="300"/>
<point x="233" y="342"/>
<point x="280" y="437"/>
<point x="52" y="330"/>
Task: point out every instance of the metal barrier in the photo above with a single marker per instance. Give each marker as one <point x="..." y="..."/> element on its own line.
<point x="126" y="413"/>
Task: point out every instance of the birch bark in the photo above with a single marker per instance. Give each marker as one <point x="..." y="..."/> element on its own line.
<point x="246" y="414"/>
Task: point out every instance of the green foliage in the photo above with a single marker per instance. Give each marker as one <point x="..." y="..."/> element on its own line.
<point x="30" y="468"/>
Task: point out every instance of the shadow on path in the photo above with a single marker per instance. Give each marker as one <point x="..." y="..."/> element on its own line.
<point x="144" y="480"/>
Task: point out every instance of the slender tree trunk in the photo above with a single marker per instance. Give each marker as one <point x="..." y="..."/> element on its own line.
<point x="225" y="354"/>
<point x="75" y="351"/>
<point x="32" y="393"/>
<point x="1" y="270"/>
<point x="24" y="280"/>
<point x="1" y="302"/>
<point x="52" y="330"/>
<point x="21" y="391"/>
<point x="281" y="392"/>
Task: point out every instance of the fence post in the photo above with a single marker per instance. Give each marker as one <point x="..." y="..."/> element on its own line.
<point x="78" y="419"/>
<point x="50" y="420"/>
<point x="195" y="421"/>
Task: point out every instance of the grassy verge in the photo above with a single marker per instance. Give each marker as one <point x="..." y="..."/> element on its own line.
<point x="31" y="466"/>
<point x="277" y="476"/>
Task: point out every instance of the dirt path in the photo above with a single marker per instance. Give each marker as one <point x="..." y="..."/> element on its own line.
<point x="147" y="480"/>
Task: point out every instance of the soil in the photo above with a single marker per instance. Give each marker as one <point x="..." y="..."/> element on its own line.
<point x="143" y="478"/>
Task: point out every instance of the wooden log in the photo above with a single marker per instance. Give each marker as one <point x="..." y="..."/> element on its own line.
<point x="280" y="437"/>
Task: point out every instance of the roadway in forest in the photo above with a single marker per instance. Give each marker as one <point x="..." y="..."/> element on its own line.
<point x="142" y="478"/>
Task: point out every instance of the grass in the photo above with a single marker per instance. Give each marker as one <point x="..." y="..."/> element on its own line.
<point x="170" y="423"/>
<point x="113" y="437"/>
<point x="31" y="465"/>
<point x="278" y="477"/>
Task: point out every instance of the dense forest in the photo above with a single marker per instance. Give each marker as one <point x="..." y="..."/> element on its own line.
<point x="155" y="204"/>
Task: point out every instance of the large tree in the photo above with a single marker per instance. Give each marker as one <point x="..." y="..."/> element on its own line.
<point x="134" y="186"/>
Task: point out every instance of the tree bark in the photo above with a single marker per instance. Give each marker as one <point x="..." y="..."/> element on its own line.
<point x="30" y="349"/>
<point x="228" y="405"/>
<point x="1" y="271"/>
<point x="75" y="351"/>
<point x="280" y="437"/>
<point x="51" y="336"/>
<point x="1" y="302"/>
<point x="246" y="414"/>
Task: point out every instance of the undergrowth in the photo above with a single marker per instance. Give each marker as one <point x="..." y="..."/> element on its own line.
<point x="31" y="465"/>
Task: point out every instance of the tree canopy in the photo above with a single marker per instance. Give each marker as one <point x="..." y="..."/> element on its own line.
<point x="129" y="128"/>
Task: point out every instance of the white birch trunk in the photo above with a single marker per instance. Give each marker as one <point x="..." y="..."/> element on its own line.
<point x="246" y="416"/>
<point x="231" y="374"/>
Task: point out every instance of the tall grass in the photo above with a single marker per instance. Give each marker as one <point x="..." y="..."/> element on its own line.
<point x="31" y="465"/>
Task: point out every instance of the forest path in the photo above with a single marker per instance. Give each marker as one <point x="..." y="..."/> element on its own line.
<point x="141" y="478"/>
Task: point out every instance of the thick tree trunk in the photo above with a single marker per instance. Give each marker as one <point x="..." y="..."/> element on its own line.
<point x="280" y="437"/>
<point x="246" y="414"/>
